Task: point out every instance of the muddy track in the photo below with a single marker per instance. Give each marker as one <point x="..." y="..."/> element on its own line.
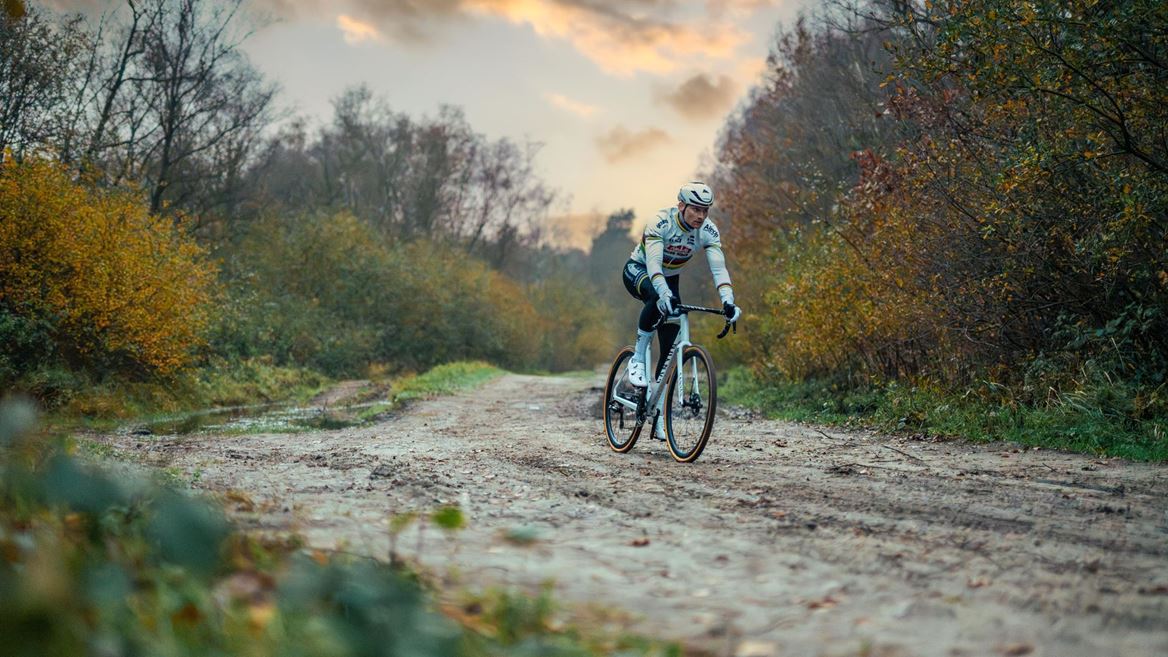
<point x="781" y="540"/>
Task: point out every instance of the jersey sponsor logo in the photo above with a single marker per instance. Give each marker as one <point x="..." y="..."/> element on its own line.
<point x="662" y="223"/>
<point x="710" y="229"/>
<point x="678" y="252"/>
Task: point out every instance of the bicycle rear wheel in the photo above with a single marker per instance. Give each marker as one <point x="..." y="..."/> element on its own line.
<point x="620" y="405"/>
<point x="690" y="402"/>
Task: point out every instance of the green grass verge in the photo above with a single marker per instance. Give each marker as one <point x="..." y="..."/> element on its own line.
<point x="444" y="380"/>
<point x="252" y="382"/>
<point x="1079" y="422"/>
<point x="261" y="397"/>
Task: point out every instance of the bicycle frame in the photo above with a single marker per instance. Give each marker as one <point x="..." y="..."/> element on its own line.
<point x="657" y="387"/>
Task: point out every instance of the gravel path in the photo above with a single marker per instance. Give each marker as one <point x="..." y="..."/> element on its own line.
<point x="781" y="540"/>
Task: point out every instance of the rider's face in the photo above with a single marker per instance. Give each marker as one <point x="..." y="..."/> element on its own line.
<point x="692" y="215"/>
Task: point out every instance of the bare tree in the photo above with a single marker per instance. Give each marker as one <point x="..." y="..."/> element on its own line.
<point x="37" y="59"/>
<point x="433" y="178"/>
<point x="201" y="94"/>
<point x="510" y="200"/>
<point x="111" y="73"/>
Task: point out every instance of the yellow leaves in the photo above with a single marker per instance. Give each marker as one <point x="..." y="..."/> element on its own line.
<point x="120" y="285"/>
<point x="260" y="615"/>
<point x="1028" y="14"/>
<point x="15" y="8"/>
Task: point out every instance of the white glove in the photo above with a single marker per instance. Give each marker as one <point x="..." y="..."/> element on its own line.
<point x="730" y="311"/>
<point x="665" y="304"/>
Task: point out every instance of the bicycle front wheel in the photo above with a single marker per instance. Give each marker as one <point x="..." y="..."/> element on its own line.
<point x="620" y="405"/>
<point x="691" y="399"/>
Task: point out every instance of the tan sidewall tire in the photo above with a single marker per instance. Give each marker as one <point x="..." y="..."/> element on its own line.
<point x="608" y="384"/>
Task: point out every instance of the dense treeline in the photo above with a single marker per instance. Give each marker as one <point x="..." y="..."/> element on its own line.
<point x="159" y="209"/>
<point x="960" y="193"/>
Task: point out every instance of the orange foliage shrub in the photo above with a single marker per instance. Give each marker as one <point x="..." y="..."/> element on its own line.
<point x="1007" y="223"/>
<point x="125" y="291"/>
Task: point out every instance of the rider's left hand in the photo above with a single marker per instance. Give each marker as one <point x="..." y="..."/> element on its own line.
<point x="731" y="311"/>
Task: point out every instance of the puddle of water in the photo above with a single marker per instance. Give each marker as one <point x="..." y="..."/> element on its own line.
<point x="266" y="418"/>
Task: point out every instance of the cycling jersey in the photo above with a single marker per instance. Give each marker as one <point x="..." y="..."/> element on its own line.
<point x="668" y="244"/>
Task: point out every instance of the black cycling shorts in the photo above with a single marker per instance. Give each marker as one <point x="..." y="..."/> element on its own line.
<point x="636" y="280"/>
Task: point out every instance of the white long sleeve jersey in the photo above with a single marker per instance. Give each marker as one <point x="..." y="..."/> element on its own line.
<point x="668" y="244"/>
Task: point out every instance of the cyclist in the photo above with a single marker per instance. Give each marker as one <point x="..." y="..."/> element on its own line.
<point x="651" y="274"/>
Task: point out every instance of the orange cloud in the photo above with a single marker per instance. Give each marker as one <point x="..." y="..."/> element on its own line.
<point x="620" y="43"/>
<point x="736" y="8"/>
<point x="574" y="106"/>
<point x="356" y="31"/>
<point x="619" y="144"/>
<point x="622" y="37"/>
<point x="750" y="70"/>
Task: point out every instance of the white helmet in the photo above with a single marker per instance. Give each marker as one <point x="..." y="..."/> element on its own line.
<point x="696" y="193"/>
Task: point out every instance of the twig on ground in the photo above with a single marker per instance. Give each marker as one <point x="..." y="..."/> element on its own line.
<point x="842" y="440"/>
<point x="900" y="451"/>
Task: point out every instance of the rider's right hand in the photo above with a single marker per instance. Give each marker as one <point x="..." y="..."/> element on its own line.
<point x="665" y="304"/>
<point x="731" y="311"/>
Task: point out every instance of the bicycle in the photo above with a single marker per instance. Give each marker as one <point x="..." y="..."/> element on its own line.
<point x="690" y="400"/>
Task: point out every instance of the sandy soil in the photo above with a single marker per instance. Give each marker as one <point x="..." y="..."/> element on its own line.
<point x="781" y="540"/>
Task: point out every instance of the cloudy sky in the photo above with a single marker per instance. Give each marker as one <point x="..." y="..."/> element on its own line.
<point x="626" y="96"/>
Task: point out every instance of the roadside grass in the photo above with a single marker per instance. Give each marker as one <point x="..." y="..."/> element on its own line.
<point x="444" y="380"/>
<point x="1081" y="422"/>
<point x="534" y="625"/>
<point x="440" y="380"/>
<point x="220" y="385"/>
<point x="94" y="561"/>
<point x="255" y="397"/>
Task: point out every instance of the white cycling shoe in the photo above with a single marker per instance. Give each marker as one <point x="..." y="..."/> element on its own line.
<point x="637" y="373"/>
<point x="659" y="428"/>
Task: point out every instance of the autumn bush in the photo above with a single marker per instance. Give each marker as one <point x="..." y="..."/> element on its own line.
<point x="957" y="193"/>
<point x="91" y="282"/>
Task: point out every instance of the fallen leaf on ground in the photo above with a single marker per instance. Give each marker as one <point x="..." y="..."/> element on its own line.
<point x="826" y="603"/>
<point x="639" y="542"/>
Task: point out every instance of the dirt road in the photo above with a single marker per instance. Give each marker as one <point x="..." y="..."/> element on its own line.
<point x="781" y="540"/>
